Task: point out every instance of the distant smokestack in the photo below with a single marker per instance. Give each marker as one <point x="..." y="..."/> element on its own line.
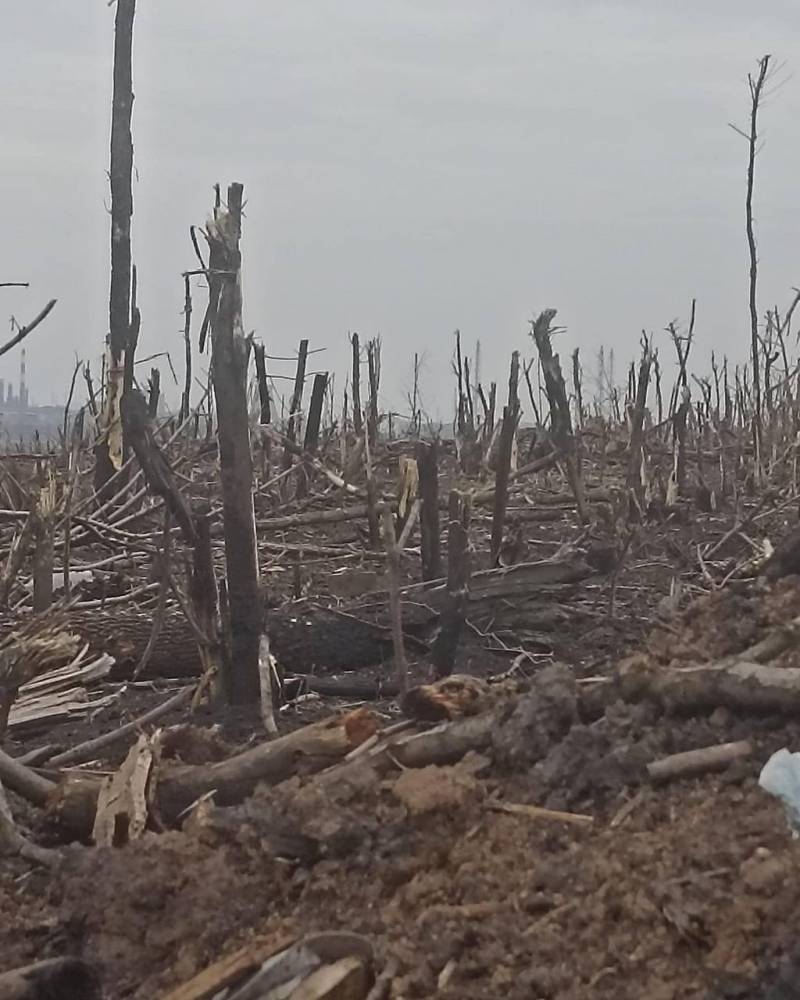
<point x="10" y="393"/>
<point x="23" y="389"/>
<point x="2" y="390"/>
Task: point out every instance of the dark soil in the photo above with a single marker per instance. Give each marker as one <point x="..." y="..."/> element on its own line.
<point x="682" y="892"/>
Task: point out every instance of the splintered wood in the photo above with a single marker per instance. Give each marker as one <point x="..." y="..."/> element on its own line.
<point x="126" y="797"/>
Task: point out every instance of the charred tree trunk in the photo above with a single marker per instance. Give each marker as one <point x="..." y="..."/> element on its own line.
<point x="374" y="372"/>
<point x="154" y="393"/>
<point x="296" y="403"/>
<point x="260" y="355"/>
<point x="187" y="345"/>
<point x="560" y="420"/>
<point x="428" y="467"/>
<point x="358" y="417"/>
<point x="157" y="471"/>
<point x="634" y="478"/>
<point x="311" y="442"/>
<point x="229" y="374"/>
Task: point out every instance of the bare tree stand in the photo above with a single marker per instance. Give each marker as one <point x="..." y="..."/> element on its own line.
<point x="229" y="374"/>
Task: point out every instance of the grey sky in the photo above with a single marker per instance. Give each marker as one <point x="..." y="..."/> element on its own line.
<point x="410" y="167"/>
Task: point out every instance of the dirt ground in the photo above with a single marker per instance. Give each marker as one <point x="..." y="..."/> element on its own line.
<point x="686" y="891"/>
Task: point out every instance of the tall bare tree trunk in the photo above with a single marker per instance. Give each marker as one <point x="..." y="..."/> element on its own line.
<point x="187" y="344"/>
<point x="109" y="450"/>
<point x="296" y="405"/>
<point x="358" y="419"/>
<point x="756" y="89"/>
<point x="229" y="374"/>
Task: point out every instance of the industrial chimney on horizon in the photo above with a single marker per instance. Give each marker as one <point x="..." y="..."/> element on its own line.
<point x="23" y="389"/>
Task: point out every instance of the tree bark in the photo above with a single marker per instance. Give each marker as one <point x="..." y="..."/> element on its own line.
<point x="120" y="173"/>
<point x="187" y="345"/>
<point x="229" y="373"/>
<point x="311" y="441"/>
<point x="296" y="403"/>
<point x="358" y="416"/>
<point x="756" y="89"/>
<point x="560" y="420"/>
<point x="260" y="356"/>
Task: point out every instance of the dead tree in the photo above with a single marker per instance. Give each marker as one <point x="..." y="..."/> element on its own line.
<point x="153" y="393"/>
<point x="577" y="385"/>
<point x="756" y="85"/>
<point x="560" y="419"/>
<point x="187" y="346"/>
<point x="108" y="453"/>
<point x="428" y="468"/>
<point x="358" y="418"/>
<point x="229" y="375"/>
<point x="311" y="442"/>
<point x="260" y="356"/>
<point x="296" y="404"/>
<point x="634" y="477"/>
<point x="445" y="646"/>
<point x="157" y="471"/>
<point x="374" y="376"/>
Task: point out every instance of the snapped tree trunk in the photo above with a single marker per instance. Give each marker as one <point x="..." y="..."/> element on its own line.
<point x="260" y="356"/>
<point x="109" y="449"/>
<point x="296" y="404"/>
<point x="358" y="418"/>
<point x="560" y="419"/>
<point x="229" y="375"/>
<point x="428" y="467"/>
<point x="311" y="442"/>
<point x="187" y="344"/>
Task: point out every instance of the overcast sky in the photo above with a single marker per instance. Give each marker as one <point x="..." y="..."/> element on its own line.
<point x="410" y="167"/>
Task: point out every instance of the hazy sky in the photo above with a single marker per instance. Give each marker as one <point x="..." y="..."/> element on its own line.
<point x="410" y="167"/>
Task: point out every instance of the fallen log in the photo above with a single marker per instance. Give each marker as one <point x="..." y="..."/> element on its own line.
<point x="696" y="762"/>
<point x="738" y="684"/>
<point x="71" y="807"/>
<point x="307" y="638"/>
<point x="506" y="581"/>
